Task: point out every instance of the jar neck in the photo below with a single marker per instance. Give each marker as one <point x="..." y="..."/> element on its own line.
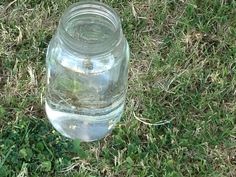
<point x="90" y="28"/>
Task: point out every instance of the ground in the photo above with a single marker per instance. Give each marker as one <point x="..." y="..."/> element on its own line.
<point x="182" y="68"/>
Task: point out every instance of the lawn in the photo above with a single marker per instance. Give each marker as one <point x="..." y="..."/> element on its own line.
<point x="182" y="68"/>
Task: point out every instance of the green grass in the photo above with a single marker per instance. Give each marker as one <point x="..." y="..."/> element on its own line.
<point x="183" y="67"/>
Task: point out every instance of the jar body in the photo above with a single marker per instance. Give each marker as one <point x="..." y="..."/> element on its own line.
<point x="85" y="89"/>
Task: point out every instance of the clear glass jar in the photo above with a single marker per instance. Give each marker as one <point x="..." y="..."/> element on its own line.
<point x="87" y="72"/>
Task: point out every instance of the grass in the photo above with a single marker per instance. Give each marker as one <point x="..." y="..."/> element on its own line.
<point x="182" y="67"/>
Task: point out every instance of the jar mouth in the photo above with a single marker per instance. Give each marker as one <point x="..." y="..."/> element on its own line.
<point x="90" y="28"/>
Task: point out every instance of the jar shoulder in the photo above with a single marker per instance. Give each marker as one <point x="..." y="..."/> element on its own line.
<point x="59" y="53"/>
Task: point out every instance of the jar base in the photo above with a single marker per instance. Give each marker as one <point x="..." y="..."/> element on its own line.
<point x="75" y="126"/>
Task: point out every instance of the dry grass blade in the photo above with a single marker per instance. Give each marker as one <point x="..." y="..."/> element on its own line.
<point x="159" y="123"/>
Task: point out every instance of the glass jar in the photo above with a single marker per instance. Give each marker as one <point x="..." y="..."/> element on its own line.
<point x="87" y="72"/>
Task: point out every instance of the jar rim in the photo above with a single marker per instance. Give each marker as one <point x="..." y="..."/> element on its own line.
<point x="95" y="8"/>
